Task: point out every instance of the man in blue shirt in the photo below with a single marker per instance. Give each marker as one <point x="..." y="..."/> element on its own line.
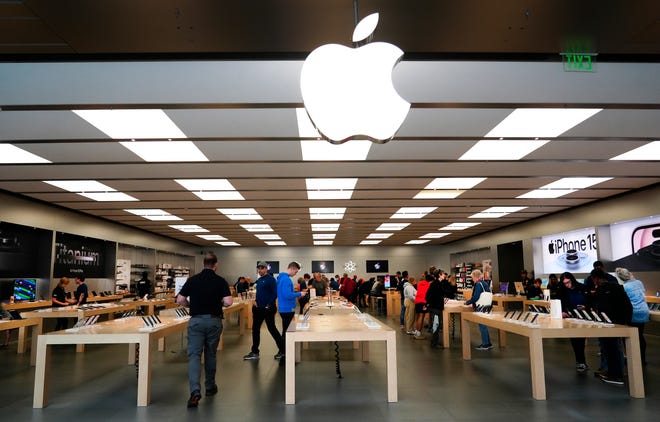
<point x="286" y="299"/>
<point x="264" y="309"/>
<point x="81" y="293"/>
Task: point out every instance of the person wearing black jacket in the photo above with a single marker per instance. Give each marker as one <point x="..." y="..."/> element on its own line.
<point x="612" y="300"/>
<point x="435" y="299"/>
<point x="573" y="295"/>
<point x="449" y="289"/>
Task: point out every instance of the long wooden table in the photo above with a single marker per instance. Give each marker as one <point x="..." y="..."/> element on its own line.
<point x="655" y="316"/>
<point x="452" y="308"/>
<point x="80" y="312"/>
<point x="506" y="301"/>
<point x="393" y="302"/>
<point x="558" y="328"/>
<point x="328" y="325"/>
<point x="109" y="298"/>
<point x="151" y="304"/>
<point x="27" y="305"/>
<point x="125" y="330"/>
<point x="23" y="325"/>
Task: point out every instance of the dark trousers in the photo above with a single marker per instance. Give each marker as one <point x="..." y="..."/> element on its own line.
<point x="259" y="315"/>
<point x="614" y="356"/>
<point x="286" y="321"/>
<point x="435" y="337"/>
<point x="578" y="349"/>
<point x="62" y="324"/>
<point x="642" y="341"/>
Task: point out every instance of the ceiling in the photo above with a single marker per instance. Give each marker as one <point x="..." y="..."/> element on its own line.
<point x="240" y="111"/>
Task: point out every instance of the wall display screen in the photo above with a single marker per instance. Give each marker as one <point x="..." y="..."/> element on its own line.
<point x="25" y="289"/>
<point x="386" y="282"/>
<point x="273" y="267"/>
<point x="24" y="251"/>
<point x="636" y="244"/>
<point x="323" y="266"/>
<point x="378" y="266"/>
<point x="573" y="251"/>
<point x="87" y="256"/>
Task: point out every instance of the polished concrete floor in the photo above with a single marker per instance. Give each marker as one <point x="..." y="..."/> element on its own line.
<point x="433" y="385"/>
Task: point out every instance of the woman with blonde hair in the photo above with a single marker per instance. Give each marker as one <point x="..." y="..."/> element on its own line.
<point x="640" y="315"/>
<point x="479" y="287"/>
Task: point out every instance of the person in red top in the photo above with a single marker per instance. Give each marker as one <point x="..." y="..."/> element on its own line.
<point x="421" y="308"/>
<point x="348" y="288"/>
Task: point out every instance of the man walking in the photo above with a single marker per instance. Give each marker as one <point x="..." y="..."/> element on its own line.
<point x="205" y="293"/>
<point x="264" y="309"/>
<point x="286" y="300"/>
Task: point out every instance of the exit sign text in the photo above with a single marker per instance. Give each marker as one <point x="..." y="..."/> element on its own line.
<point x="579" y="62"/>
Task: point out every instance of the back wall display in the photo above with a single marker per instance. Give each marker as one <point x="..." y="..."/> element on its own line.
<point x="323" y="266"/>
<point x="573" y="251"/>
<point x="273" y="267"/>
<point x="87" y="256"/>
<point x="377" y="266"/>
<point x="24" y="251"/>
<point x="636" y="244"/>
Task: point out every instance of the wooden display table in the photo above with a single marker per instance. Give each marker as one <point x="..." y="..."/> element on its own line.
<point x="337" y="325"/>
<point x="654" y="315"/>
<point x="558" y="328"/>
<point x="26" y="305"/>
<point x="80" y="312"/>
<point x="393" y="302"/>
<point x="109" y="298"/>
<point x="506" y="301"/>
<point x="452" y="308"/>
<point x="23" y="325"/>
<point x="649" y="299"/>
<point x="124" y="330"/>
<point x="151" y="304"/>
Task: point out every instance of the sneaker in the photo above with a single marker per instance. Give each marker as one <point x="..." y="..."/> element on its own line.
<point x="582" y="367"/>
<point x="212" y="391"/>
<point x="484" y="347"/>
<point x="600" y="372"/>
<point x="251" y="356"/>
<point x="419" y="336"/>
<point x="612" y="380"/>
<point x="194" y="399"/>
<point x="411" y="333"/>
<point x="278" y="356"/>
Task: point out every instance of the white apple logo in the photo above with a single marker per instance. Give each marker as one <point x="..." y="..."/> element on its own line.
<point x="348" y="92"/>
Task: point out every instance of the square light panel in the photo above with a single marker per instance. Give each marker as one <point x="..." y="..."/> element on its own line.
<point x="228" y="243"/>
<point x="459" y="226"/>
<point x="448" y="187"/>
<point x="417" y="241"/>
<point x="240" y="213"/>
<point x="563" y="187"/>
<point x="370" y="242"/>
<point x="211" y="189"/>
<point x="166" y="151"/>
<point x="540" y="122"/>
<point x="392" y="226"/>
<point x="211" y="237"/>
<point x="321" y="236"/>
<point x="275" y="243"/>
<point x="379" y="235"/>
<point x="92" y="189"/>
<point x="650" y="151"/>
<point x="154" y="214"/>
<point x="323" y="243"/>
<point x="257" y="227"/>
<point x="268" y="236"/>
<point x="330" y="188"/>
<point x="132" y="124"/>
<point x="326" y="213"/>
<point x="434" y="235"/>
<point x="189" y="228"/>
<point x="321" y="227"/>
<point x="502" y="150"/>
<point x="10" y="154"/>
<point x="413" y="212"/>
<point x="496" y="212"/>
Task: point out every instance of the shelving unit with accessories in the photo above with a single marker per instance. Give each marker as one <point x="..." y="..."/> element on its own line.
<point x="123" y="276"/>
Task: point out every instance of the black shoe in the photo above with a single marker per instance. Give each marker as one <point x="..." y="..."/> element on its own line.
<point x="251" y="356"/>
<point x="212" y="391"/>
<point x="194" y="399"/>
<point x="279" y="356"/>
<point x="612" y="380"/>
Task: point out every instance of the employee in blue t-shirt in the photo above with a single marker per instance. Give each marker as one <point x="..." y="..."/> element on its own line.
<point x="286" y="297"/>
<point x="264" y="309"/>
<point x="81" y="293"/>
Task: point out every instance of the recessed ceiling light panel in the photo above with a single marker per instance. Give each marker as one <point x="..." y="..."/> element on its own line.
<point x="166" y="151"/>
<point x="413" y="212"/>
<point x="650" y="151"/>
<point x="11" y="154"/>
<point x="132" y="123"/>
<point x="392" y="226"/>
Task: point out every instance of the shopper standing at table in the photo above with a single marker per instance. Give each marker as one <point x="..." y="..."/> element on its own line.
<point x="59" y="300"/>
<point x="435" y="298"/>
<point x="409" y="293"/>
<point x="264" y="309"/>
<point x="319" y="285"/>
<point x="640" y="315"/>
<point x="286" y="300"/>
<point x="143" y="285"/>
<point x="421" y="307"/>
<point x="207" y="293"/>
<point x="402" y="279"/>
<point x="573" y="295"/>
<point x="81" y="293"/>
<point x="479" y="287"/>
<point x="612" y="300"/>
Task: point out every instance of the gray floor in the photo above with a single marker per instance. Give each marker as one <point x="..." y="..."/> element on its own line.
<point x="433" y="385"/>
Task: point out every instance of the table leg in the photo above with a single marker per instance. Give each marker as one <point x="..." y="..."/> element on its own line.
<point x="22" y="339"/>
<point x="41" y="374"/>
<point x="364" y="345"/>
<point x="131" y="353"/>
<point x="36" y="332"/>
<point x="144" y="374"/>
<point x="501" y="338"/>
<point x="634" y="362"/>
<point x="298" y="352"/>
<point x="445" y="329"/>
<point x="161" y="344"/>
<point x="290" y="372"/>
<point x="221" y="342"/>
<point x="537" y="365"/>
<point x="465" y="339"/>
<point x="243" y="315"/>
<point x="80" y="348"/>
<point x="392" y="381"/>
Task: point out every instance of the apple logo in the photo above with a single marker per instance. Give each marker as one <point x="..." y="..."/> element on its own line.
<point x="551" y="248"/>
<point x="348" y="92"/>
<point x="377" y="266"/>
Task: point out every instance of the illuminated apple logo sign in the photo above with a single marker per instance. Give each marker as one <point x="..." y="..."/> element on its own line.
<point x="348" y="92"/>
<point x="377" y="266"/>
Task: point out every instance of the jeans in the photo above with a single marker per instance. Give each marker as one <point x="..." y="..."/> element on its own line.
<point x="286" y="320"/>
<point x="614" y="356"/>
<point x="62" y="324"/>
<point x="485" y="337"/>
<point x="203" y="336"/>
<point x="435" y="329"/>
<point x="578" y="349"/>
<point x="402" y="320"/>
<point x="259" y="315"/>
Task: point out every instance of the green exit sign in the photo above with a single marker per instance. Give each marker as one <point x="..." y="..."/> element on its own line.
<point x="579" y="62"/>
